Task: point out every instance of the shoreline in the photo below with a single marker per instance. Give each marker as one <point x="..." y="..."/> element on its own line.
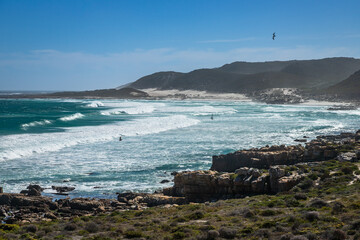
<point x="315" y="199"/>
<point x="184" y="95"/>
<point x="330" y="147"/>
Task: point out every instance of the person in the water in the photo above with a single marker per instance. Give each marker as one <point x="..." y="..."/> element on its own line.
<point x="120" y="139"/>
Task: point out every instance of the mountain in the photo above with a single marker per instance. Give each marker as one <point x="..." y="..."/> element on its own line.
<point x="348" y="89"/>
<point x="249" y="76"/>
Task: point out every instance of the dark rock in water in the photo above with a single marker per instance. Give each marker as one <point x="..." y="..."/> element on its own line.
<point x="165" y="181"/>
<point x="25" y="192"/>
<point x="342" y="107"/>
<point x="174" y="173"/>
<point x="357" y="136"/>
<point x="32" y="190"/>
<point x="36" y="187"/>
<point x="61" y="189"/>
<point x="300" y="140"/>
<point x="305" y="137"/>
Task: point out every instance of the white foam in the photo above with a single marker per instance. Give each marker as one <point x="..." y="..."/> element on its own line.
<point x="16" y="146"/>
<point x="71" y="117"/>
<point x="132" y="104"/>
<point x="130" y="107"/>
<point x="347" y="112"/>
<point x="134" y="110"/>
<point x="200" y="110"/>
<point x="35" y="123"/>
<point x="95" y="104"/>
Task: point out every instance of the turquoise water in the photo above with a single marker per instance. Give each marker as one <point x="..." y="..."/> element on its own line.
<point x="76" y="142"/>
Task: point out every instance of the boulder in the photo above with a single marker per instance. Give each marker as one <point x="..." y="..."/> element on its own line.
<point x="85" y="204"/>
<point x="347" y="157"/>
<point x="32" y="190"/>
<point x="276" y="172"/>
<point x="19" y="200"/>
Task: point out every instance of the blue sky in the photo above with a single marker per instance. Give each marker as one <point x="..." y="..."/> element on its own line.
<point x="88" y="44"/>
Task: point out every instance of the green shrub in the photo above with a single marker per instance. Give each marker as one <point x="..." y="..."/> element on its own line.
<point x="306" y="184"/>
<point x="9" y="227"/>
<point x="179" y="235"/>
<point x="133" y="234"/>
<point x="292" y="202"/>
<point x="300" y="196"/>
<point x="313" y="176"/>
<point x="311" y="216"/>
<point x="195" y="215"/>
<point x="30" y="228"/>
<point x="91" y="227"/>
<point x="268" y="212"/>
<point x="268" y="224"/>
<point x="227" y="233"/>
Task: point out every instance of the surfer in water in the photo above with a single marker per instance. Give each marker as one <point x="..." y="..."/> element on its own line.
<point x="120" y="139"/>
<point x="212" y="117"/>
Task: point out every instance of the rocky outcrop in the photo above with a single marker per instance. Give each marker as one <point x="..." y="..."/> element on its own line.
<point x="139" y="200"/>
<point x="278" y="96"/>
<point x="29" y="208"/>
<point x="211" y="185"/>
<point x="258" y="158"/>
<point x="320" y="149"/>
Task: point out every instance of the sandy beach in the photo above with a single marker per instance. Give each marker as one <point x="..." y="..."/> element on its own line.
<point x="204" y="95"/>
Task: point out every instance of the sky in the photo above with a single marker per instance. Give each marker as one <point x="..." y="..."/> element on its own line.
<point x="95" y="44"/>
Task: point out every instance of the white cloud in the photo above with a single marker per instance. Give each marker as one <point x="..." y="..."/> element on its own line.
<point x="52" y="69"/>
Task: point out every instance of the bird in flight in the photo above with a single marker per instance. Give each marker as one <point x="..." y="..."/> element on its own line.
<point x="273" y="36"/>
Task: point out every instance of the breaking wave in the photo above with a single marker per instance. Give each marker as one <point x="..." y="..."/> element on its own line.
<point x="29" y="144"/>
<point x="71" y="117"/>
<point x="35" y="123"/>
<point x="95" y="104"/>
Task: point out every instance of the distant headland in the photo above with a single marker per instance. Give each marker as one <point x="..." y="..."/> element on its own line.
<point x="295" y="81"/>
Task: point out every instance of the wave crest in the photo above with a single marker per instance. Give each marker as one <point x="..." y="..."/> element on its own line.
<point x="71" y="117"/>
<point x="95" y="104"/>
<point x="29" y="144"/>
<point x="35" y="123"/>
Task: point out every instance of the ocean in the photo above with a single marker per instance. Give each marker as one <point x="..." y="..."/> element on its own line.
<point x="76" y="143"/>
